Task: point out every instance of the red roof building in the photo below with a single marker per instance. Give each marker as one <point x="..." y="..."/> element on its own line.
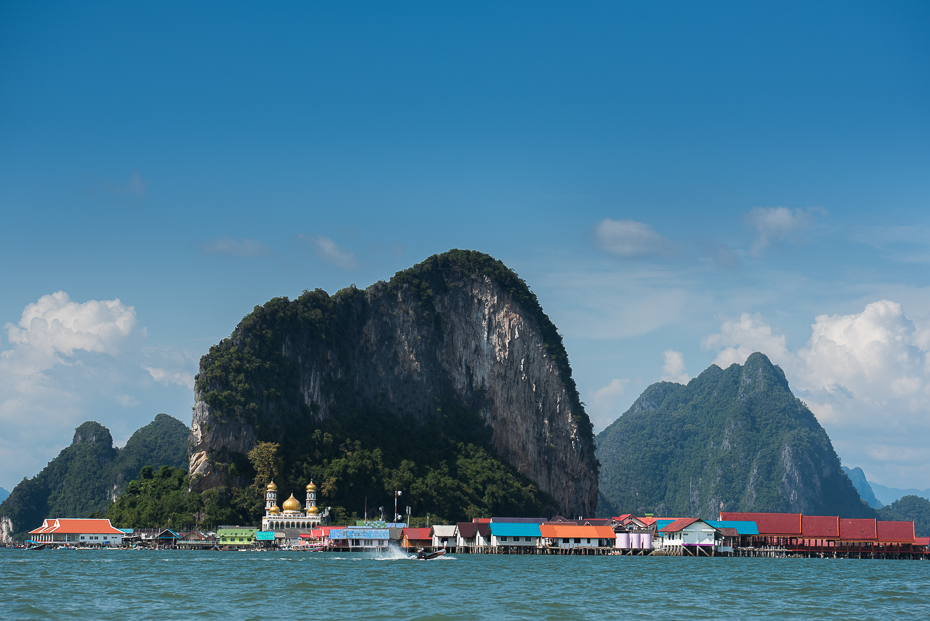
<point x="678" y="525"/>
<point x="769" y="524"/>
<point x="417" y="538"/>
<point x="895" y="532"/>
<point x="856" y="529"/>
<point x="820" y="527"/>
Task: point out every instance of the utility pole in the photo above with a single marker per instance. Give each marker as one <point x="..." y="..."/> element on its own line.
<point x="397" y="495"/>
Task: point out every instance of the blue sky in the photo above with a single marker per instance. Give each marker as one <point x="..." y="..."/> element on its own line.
<point x="679" y="183"/>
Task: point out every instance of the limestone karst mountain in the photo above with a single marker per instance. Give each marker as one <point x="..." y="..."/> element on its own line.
<point x="448" y="380"/>
<point x="733" y="439"/>
<point x="89" y="474"/>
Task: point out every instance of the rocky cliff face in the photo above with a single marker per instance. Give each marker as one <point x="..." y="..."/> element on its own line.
<point x="733" y="439"/>
<point x="458" y="329"/>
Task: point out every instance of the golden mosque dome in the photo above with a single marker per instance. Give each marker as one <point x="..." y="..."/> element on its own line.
<point x="311" y="487"/>
<point x="274" y="509"/>
<point x="271" y="487"/>
<point x="312" y="510"/>
<point x="291" y="504"/>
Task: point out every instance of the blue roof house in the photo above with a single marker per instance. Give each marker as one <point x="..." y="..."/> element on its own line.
<point x="515" y="534"/>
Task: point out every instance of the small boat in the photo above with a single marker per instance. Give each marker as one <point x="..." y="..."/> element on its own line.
<point x="424" y="556"/>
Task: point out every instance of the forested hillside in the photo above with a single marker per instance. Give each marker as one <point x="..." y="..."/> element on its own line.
<point x="91" y="473"/>
<point x="733" y="439"/>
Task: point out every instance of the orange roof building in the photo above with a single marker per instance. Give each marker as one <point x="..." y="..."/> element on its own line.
<point x="68" y="531"/>
<point x="577" y="536"/>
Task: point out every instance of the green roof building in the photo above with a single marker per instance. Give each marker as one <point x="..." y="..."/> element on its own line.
<point x="236" y="536"/>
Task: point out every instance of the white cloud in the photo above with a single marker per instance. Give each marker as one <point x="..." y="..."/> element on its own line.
<point x="874" y="355"/>
<point x="738" y="338"/>
<point x="51" y="329"/>
<point x="602" y="405"/>
<point x="241" y="247"/>
<point x="167" y="377"/>
<point x="66" y="362"/>
<point x="327" y="250"/>
<point x="630" y="239"/>
<point x="674" y="368"/>
<point x="775" y="224"/>
<point x="865" y="375"/>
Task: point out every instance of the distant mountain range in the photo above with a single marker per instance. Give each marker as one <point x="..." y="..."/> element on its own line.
<point x="91" y="473"/>
<point x="3" y="494"/>
<point x="878" y="495"/>
<point x="733" y="439"/>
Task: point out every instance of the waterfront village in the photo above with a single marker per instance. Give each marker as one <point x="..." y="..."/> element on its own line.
<point x="293" y="528"/>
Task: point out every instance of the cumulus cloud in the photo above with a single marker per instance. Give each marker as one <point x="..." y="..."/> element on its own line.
<point x="64" y="362"/>
<point x="51" y="329"/>
<point x="330" y="252"/>
<point x="674" y="368"/>
<point x="738" y="338"/>
<point x="865" y="375"/>
<point x="602" y="405"/>
<point x="630" y="239"/>
<point x="241" y="247"/>
<point x="777" y="224"/>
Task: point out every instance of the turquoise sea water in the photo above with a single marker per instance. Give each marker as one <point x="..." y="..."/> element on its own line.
<point x="140" y="585"/>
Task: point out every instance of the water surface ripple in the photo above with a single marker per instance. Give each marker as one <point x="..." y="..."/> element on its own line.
<point x="143" y="585"/>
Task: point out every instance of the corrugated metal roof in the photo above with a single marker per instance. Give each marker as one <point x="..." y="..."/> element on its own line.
<point x="774" y="524"/>
<point x="680" y="524"/>
<point x="499" y="520"/>
<point x="483" y="528"/>
<point x="660" y="524"/>
<point x="444" y="530"/>
<point x="417" y="534"/>
<point x="514" y="529"/>
<point x="742" y="528"/>
<point x="467" y="529"/>
<point x="553" y="531"/>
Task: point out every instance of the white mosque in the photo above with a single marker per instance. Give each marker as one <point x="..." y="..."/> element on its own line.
<point x="290" y="515"/>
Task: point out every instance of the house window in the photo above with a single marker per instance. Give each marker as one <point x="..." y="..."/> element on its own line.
<point x="577" y="539"/>
<point x="503" y="538"/>
<point x="527" y="539"/>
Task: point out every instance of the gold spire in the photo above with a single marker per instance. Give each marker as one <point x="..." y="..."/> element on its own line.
<point x="311" y="487"/>
<point x="271" y="487"/>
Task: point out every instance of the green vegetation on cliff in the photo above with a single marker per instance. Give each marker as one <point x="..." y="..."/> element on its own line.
<point x="733" y="439"/>
<point x="907" y="509"/>
<point x="360" y="458"/>
<point x="157" y="499"/>
<point x="90" y="473"/>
